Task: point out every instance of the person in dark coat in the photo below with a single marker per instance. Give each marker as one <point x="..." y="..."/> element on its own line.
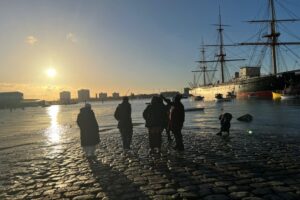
<point x="177" y="116"/>
<point x="155" y="116"/>
<point x="89" y="130"/>
<point x="225" y="119"/>
<point x="167" y="119"/>
<point x="123" y="115"/>
<point x="168" y="109"/>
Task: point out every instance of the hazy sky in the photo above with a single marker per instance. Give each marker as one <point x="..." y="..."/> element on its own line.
<point x="143" y="46"/>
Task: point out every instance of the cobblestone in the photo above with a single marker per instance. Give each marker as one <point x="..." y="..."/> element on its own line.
<point x="247" y="167"/>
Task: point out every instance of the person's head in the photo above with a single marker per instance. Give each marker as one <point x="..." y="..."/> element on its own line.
<point x="88" y="106"/>
<point x="125" y="99"/>
<point x="177" y="98"/>
<point x="154" y="100"/>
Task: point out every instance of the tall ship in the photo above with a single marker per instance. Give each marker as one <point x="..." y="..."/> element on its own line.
<point x="249" y="82"/>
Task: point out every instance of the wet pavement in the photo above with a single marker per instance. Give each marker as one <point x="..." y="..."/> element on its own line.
<point x="243" y="166"/>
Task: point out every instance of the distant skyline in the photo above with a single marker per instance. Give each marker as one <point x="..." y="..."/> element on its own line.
<point x="140" y="46"/>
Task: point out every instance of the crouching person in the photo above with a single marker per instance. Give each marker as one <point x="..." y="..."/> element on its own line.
<point x="89" y="130"/>
<point x="225" y="123"/>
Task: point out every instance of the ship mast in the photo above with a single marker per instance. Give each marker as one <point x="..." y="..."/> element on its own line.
<point x="203" y="68"/>
<point x="273" y="36"/>
<point x="221" y="55"/>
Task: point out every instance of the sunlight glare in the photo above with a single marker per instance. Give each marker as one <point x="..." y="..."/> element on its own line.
<point x="53" y="132"/>
<point x="51" y="72"/>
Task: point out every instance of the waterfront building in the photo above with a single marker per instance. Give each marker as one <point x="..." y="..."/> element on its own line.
<point x="83" y="95"/>
<point x="10" y="99"/>
<point x="186" y="92"/>
<point x="103" y="95"/>
<point x="115" y="95"/>
<point x="169" y="93"/>
<point x="65" y="97"/>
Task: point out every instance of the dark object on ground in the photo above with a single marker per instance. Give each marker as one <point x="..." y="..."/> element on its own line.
<point x="193" y="109"/>
<point x="225" y="123"/>
<point x="245" y="118"/>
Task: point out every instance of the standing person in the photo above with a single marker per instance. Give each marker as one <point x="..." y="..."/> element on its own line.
<point x="123" y="115"/>
<point x="155" y="116"/>
<point x="167" y="123"/>
<point x="176" y="121"/>
<point x="225" y="119"/>
<point x="89" y="130"/>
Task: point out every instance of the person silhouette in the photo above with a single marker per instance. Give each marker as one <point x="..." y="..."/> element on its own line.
<point x="225" y="119"/>
<point x="89" y="130"/>
<point x="155" y="116"/>
<point x="123" y="116"/>
<point x="167" y="117"/>
<point x="177" y="117"/>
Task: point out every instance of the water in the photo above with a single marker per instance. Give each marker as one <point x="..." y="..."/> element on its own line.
<point x="57" y="124"/>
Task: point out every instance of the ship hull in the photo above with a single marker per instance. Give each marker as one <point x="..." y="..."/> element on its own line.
<point x="209" y="92"/>
<point x="256" y="87"/>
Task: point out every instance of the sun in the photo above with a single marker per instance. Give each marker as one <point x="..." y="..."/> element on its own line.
<point x="51" y="72"/>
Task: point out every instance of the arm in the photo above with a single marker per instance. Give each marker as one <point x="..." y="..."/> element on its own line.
<point x="145" y="113"/>
<point x="78" y="119"/>
<point x="117" y="114"/>
<point x="168" y="101"/>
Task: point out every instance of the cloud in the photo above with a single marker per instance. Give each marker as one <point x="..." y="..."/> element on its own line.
<point x="71" y="37"/>
<point x="31" y="40"/>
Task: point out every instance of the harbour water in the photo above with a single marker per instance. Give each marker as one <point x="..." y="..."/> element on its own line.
<point x="57" y="123"/>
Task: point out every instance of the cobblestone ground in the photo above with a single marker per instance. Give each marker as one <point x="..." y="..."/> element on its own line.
<point x="247" y="167"/>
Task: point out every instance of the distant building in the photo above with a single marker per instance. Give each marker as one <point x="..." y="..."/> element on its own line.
<point x="115" y="95"/>
<point x="169" y="93"/>
<point x="186" y="92"/>
<point x="65" y="97"/>
<point x="246" y="72"/>
<point x="83" y="95"/>
<point x="102" y="95"/>
<point x="10" y="99"/>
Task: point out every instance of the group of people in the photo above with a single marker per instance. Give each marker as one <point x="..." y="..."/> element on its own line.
<point x="160" y="114"/>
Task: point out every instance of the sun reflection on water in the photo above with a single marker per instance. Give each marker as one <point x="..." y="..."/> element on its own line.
<point x="54" y="131"/>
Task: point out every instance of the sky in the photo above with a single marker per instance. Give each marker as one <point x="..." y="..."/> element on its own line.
<point x="126" y="46"/>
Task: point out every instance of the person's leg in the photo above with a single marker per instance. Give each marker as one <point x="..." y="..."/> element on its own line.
<point x="178" y="139"/>
<point x="85" y="150"/>
<point x="158" y="136"/>
<point x="129" y="137"/>
<point x="123" y="136"/>
<point x="151" y="139"/>
<point x="168" y="134"/>
<point x="92" y="150"/>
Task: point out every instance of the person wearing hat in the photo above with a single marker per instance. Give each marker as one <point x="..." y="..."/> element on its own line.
<point x="176" y="121"/>
<point x="123" y="115"/>
<point x="89" y="130"/>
